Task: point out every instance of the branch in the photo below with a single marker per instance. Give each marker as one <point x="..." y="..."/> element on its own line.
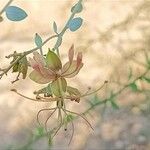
<point x="116" y="94"/>
<point x="7" y="4"/>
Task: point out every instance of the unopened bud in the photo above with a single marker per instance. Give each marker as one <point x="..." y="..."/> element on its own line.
<point x="13" y="90"/>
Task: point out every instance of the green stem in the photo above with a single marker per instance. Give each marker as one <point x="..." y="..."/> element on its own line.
<point x="115" y="94"/>
<point x="23" y="55"/>
<point x="66" y="27"/>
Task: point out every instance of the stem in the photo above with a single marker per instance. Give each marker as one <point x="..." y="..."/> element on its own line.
<point x="36" y="48"/>
<point x="23" y="55"/>
<point x="7" y="4"/>
<point x="46" y="109"/>
<point x="81" y="117"/>
<point x="117" y="93"/>
<point x="61" y="94"/>
<point x="37" y="100"/>
<point x="87" y="94"/>
<point x="41" y="51"/>
<point x="66" y="27"/>
<point x="45" y="124"/>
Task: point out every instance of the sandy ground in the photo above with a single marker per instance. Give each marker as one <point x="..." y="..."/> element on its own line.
<point x="110" y="28"/>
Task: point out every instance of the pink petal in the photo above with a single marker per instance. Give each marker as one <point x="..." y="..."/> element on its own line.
<point x="38" y="78"/>
<point x="79" y="59"/>
<point x="70" y="70"/>
<point x="34" y="64"/>
<point x="71" y="53"/>
<point x="39" y="58"/>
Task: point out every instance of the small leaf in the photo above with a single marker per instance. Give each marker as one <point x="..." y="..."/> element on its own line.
<point x="49" y="89"/>
<point x="133" y="86"/>
<point x="73" y="91"/>
<point x="77" y="8"/>
<point x="146" y="79"/>
<point x="75" y="24"/>
<point x="39" y="131"/>
<point x="53" y="61"/>
<point x="114" y="104"/>
<point x="46" y="90"/>
<point x="38" y="40"/>
<point x="68" y="118"/>
<point x="15" y="67"/>
<point x="95" y="100"/>
<point x="23" y="67"/>
<point x="55" y="27"/>
<point x="14" y="13"/>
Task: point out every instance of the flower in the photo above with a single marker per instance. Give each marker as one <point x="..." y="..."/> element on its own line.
<point x="50" y="69"/>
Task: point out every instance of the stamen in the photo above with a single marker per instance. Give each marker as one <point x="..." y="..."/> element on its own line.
<point x="87" y="94"/>
<point x="81" y="117"/>
<point x="72" y="128"/>
<point x="45" y="124"/>
<point x="37" y="100"/>
<point x="37" y="116"/>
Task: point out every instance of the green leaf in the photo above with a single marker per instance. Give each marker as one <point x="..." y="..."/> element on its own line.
<point x="49" y="89"/>
<point x="53" y="61"/>
<point x="15" y="67"/>
<point x="38" y="40"/>
<point x="73" y="91"/>
<point x="39" y="131"/>
<point x="114" y="104"/>
<point x="68" y="118"/>
<point x="14" y="13"/>
<point x="45" y="90"/>
<point x="133" y="86"/>
<point x="75" y="24"/>
<point x="146" y="79"/>
<point x="77" y="8"/>
<point x="55" y="27"/>
<point x="23" y="67"/>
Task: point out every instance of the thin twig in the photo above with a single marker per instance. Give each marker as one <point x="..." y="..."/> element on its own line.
<point x="7" y="4"/>
<point x="45" y="124"/>
<point x="81" y="117"/>
<point x="41" y="111"/>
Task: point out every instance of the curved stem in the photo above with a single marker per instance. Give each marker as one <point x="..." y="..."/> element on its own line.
<point x="72" y="128"/>
<point x="65" y="27"/>
<point x="37" y="116"/>
<point x="87" y="94"/>
<point x="81" y="117"/>
<point x="23" y="55"/>
<point x="45" y="124"/>
<point x="37" y="100"/>
<point x="117" y="93"/>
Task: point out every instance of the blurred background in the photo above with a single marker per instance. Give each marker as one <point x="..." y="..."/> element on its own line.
<point x="115" y="41"/>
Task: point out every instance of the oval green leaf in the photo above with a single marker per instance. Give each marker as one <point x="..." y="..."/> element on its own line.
<point x="77" y="8"/>
<point x="75" y="24"/>
<point x="38" y="40"/>
<point x="53" y="61"/>
<point x="15" y="13"/>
